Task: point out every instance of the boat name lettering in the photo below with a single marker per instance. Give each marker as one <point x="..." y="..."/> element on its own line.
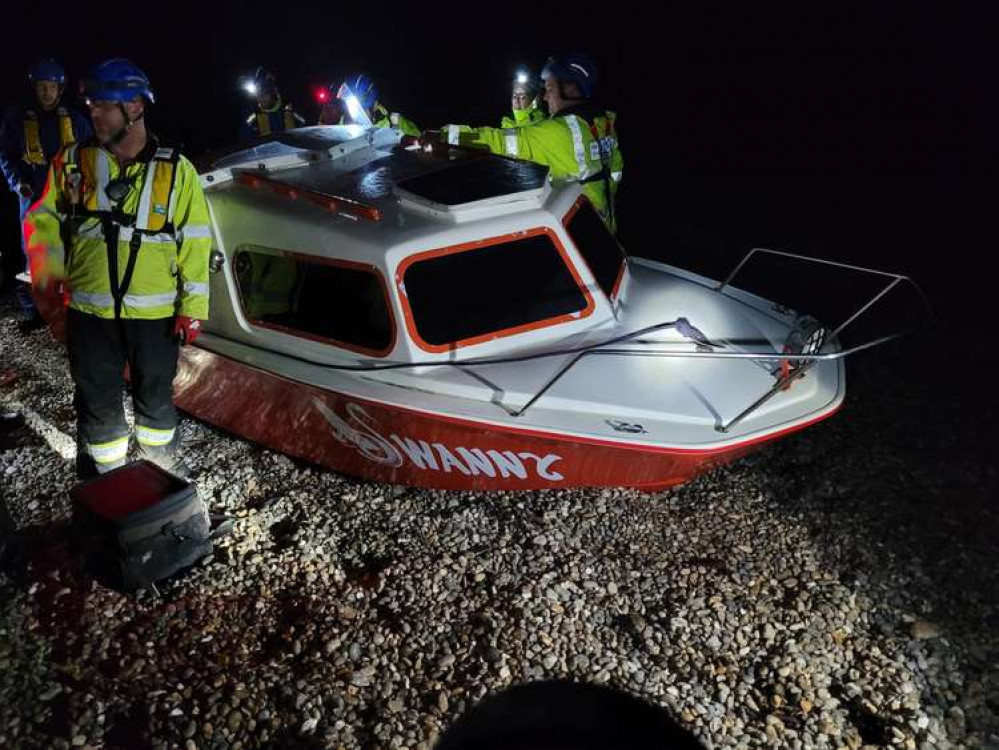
<point x="360" y="431"/>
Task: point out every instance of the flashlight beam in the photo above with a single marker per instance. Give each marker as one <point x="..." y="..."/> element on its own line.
<point x="357" y="112"/>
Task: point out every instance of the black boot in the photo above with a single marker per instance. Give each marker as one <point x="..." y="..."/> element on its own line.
<point x="10" y="548"/>
<point x="86" y="467"/>
<point x="170" y="462"/>
<point x="166" y="457"/>
<point x="31" y="323"/>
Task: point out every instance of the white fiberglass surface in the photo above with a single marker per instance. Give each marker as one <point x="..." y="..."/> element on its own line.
<point x="293" y="142"/>
<point x="693" y="395"/>
<point x="596" y="411"/>
<point x="677" y="401"/>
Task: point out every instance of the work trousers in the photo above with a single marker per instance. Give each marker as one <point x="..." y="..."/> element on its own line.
<point x="99" y="349"/>
<point x="23" y="291"/>
<point x="8" y="533"/>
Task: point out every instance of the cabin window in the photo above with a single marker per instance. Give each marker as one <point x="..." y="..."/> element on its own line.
<point x="472" y="293"/>
<point x="340" y="302"/>
<point x="597" y="245"/>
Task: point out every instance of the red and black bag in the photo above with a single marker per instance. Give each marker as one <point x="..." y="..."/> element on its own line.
<point x="140" y="524"/>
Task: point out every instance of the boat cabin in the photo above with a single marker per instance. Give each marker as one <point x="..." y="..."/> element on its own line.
<point x="338" y="242"/>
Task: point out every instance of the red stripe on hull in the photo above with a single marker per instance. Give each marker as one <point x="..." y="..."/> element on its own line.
<point x="402" y="446"/>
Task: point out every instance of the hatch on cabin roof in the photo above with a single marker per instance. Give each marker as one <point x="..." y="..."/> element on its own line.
<point x="476" y="180"/>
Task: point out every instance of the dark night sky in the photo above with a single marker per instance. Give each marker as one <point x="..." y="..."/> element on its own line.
<point x="852" y="131"/>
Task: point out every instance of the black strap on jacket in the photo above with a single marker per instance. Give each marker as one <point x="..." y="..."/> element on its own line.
<point x="118" y="290"/>
<point x="112" y="221"/>
<point x="605" y="171"/>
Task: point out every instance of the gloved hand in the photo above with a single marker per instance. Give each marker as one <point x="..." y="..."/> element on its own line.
<point x="186" y="329"/>
<point x="24" y="190"/>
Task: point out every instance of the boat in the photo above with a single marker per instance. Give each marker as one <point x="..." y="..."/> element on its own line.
<point x="440" y="317"/>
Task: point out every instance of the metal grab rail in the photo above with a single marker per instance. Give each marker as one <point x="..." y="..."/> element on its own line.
<point x="896" y="279"/>
<point x="803" y="362"/>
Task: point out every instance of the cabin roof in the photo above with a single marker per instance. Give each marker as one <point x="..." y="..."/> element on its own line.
<point x="377" y="169"/>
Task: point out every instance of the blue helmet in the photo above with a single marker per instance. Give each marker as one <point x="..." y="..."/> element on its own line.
<point x="360" y="86"/>
<point x="117" y="80"/>
<point x="576" y="67"/>
<point x="47" y="69"/>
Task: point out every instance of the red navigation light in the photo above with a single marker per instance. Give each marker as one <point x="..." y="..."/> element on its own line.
<point x="322" y="96"/>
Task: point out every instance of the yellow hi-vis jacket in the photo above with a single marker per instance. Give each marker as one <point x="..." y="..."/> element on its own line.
<point x="267" y="283"/>
<point x="388" y="119"/>
<point x="382" y="118"/>
<point x="579" y="144"/>
<point x="160" y="232"/>
<point x="518" y="118"/>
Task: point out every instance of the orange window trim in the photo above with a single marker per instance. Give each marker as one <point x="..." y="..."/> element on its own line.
<point x="316" y="260"/>
<point x="475" y="245"/>
<point x="620" y="271"/>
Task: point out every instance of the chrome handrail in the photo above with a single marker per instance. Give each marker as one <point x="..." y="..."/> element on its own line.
<point x="896" y="279"/>
<point x="803" y="361"/>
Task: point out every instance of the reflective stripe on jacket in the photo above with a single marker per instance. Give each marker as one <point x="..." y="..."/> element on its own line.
<point x="163" y="215"/>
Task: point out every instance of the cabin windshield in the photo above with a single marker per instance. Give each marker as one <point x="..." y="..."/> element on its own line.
<point x="472" y="293"/>
<point x="597" y="245"/>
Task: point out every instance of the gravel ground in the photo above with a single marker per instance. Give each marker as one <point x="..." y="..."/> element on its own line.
<point x="838" y="589"/>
